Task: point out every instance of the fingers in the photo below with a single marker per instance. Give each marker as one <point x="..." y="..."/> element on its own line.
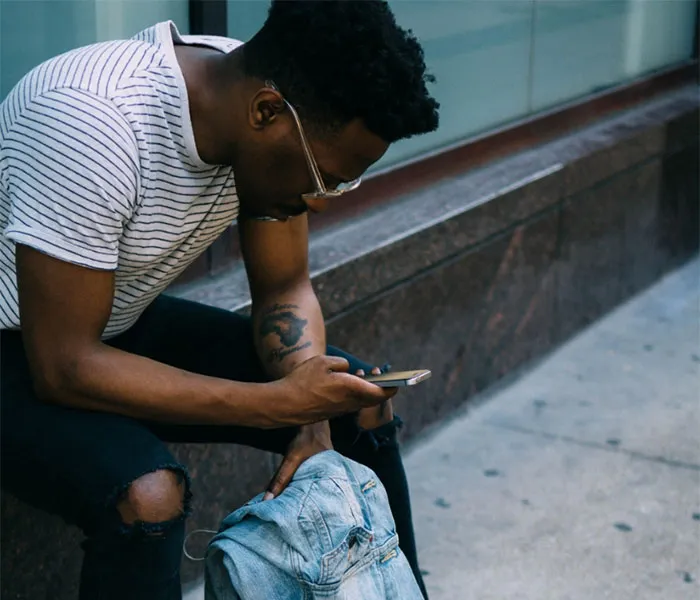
<point x="283" y="476"/>
<point x="309" y="441"/>
<point x="375" y="371"/>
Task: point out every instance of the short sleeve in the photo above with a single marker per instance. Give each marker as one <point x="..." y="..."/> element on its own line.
<point x="70" y="165"/>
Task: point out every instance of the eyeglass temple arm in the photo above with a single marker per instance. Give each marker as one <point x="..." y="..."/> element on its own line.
<point x="315" y="173"/>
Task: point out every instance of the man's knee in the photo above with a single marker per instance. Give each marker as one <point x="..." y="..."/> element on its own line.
<point x="154" y="498"/>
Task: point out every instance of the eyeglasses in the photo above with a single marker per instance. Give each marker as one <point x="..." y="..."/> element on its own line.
<point x="322" y="192"/>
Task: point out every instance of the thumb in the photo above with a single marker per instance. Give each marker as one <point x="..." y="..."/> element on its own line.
<point x="337" y="364"/>
<point x="283" y="476"/>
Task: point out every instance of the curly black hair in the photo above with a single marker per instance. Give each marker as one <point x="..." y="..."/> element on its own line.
<point x="336" y="60"/>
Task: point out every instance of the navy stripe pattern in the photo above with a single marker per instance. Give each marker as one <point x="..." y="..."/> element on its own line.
<point x="98" y="167"/>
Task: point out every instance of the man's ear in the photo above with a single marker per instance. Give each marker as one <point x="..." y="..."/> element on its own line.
<point x="265" y="106"/>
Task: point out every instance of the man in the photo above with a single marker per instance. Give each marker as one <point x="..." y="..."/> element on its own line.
<point x="119" y="164"/>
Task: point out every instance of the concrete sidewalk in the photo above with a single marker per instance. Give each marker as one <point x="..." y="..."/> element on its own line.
<point x="580" y="480"/>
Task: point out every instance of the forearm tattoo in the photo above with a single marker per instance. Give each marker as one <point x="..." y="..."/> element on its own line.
<point x="288" y="326"/>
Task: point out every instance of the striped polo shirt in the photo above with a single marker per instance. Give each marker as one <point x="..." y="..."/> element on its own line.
<point x="98" y="167"/>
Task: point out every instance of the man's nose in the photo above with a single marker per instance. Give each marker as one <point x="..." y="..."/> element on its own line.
<point x="317" y="205"/>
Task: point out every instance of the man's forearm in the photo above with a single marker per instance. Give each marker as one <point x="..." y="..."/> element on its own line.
<point x="110" y="380"/>
<point x="288" y="329"/>
<point x="107" y="379"/>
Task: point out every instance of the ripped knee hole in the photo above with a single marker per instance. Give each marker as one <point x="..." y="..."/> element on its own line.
<point x="154" y="500"/>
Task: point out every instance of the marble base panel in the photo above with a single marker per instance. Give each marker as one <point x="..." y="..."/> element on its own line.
<point x="470" y="321"/>
<point x="40" y="556"/>
<point x="679" y="218"/>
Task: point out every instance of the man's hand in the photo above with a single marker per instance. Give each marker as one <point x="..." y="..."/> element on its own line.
<point x="321" y="388"/>
<point x="311" y="440"/>
<point x="325" y="378"/>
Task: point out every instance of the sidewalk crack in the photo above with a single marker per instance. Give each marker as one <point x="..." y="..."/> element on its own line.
<point x="596" y="445"/>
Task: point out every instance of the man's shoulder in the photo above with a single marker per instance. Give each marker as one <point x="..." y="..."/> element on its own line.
<point x="98" y="70"/>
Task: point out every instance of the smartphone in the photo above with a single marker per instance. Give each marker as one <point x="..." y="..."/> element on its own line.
<point x="399" y="378"/>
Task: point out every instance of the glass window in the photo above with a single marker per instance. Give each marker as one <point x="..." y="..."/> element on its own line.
<point x="583" y="46"/>
<point x="658" y="34"/>
<point x="578" y="48"/>
<point x="496" y="61"/>
<point x="479" y="52"/>
<point x="32" y="31"/>
<point x="245" y="17"/>
<point x="118" y="19"/>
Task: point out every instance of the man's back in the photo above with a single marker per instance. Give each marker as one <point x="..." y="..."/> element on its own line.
<point x="98" y="167"/>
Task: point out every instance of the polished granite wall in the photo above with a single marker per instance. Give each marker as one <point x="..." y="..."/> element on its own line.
<point x="472" y="278"/>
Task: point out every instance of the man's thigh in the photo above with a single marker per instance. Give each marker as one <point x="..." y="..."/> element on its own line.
<point x="74" y="463"/>
<point x="215" y="342"/>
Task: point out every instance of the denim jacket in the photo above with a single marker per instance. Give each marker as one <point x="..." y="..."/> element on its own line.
<point x="329" y="535"/>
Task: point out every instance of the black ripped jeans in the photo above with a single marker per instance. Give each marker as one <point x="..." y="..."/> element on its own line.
<point x="78" y="464"/>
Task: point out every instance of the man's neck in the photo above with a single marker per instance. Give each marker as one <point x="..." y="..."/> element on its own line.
<point x="210" y="78"/>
